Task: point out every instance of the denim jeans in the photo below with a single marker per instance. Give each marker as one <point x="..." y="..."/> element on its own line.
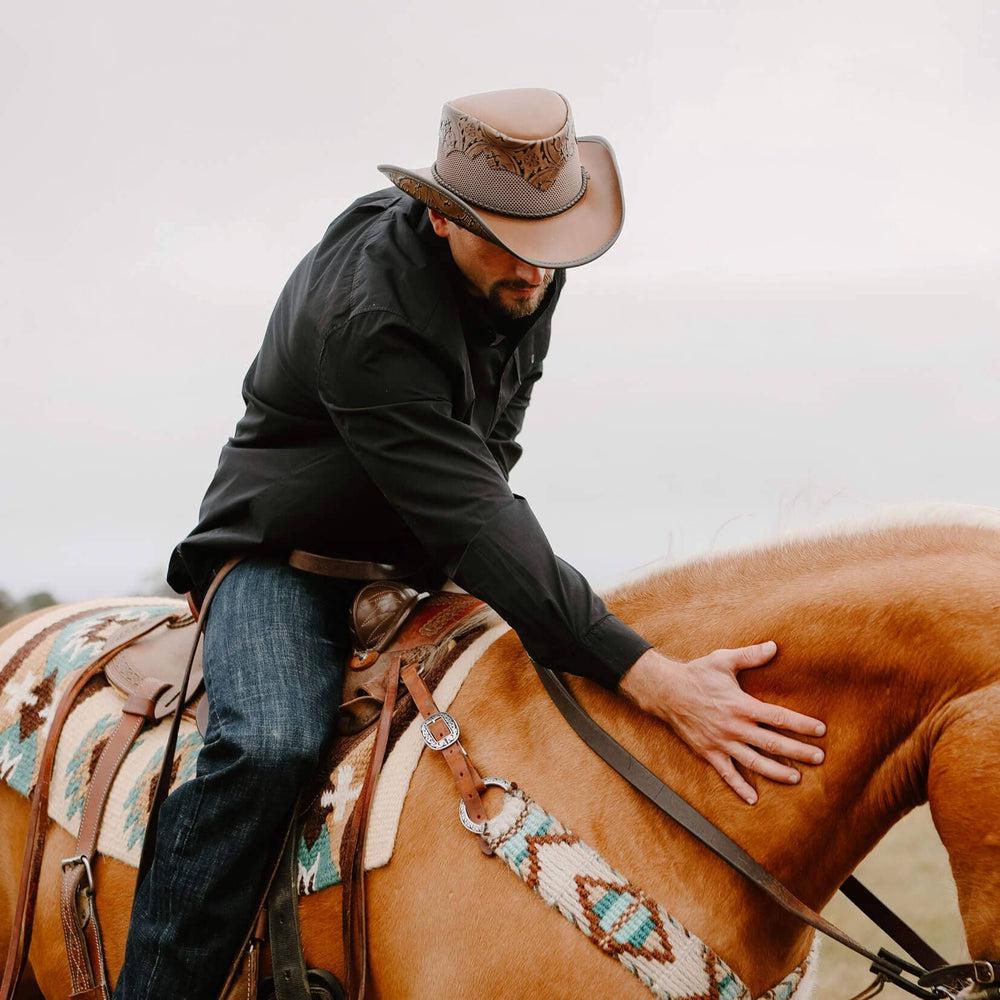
<point x="275" y="648"/>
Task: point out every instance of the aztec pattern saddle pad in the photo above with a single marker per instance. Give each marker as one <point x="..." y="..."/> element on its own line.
<point x="36" y="661"/>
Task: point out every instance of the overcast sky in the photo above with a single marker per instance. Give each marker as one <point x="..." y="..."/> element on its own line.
<point x="799" y="320"/>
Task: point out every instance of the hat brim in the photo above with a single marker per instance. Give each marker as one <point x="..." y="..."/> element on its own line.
<point x="577" y="236"/>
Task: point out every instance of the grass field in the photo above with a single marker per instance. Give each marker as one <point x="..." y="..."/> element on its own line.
<point x="909" y="871"/>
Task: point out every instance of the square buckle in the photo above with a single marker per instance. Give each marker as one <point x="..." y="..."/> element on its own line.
<point x="445" y="741"/>
<point x="81" y="859"/>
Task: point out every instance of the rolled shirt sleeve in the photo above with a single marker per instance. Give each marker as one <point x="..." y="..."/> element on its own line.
<point x="389" y="396"/>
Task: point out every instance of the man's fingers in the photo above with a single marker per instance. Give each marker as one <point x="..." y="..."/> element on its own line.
<point x="754" y="761"/>
<point x="776" y="745"/>
<point x="784" y="718"/>
<point x="755" y="655"/>
<point x="722" y="763"/>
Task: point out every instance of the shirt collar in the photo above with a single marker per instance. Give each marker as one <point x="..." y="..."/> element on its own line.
<point x="484" y="322"/>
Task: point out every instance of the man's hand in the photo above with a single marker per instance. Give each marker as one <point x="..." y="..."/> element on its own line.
<point x="705" y="705"/>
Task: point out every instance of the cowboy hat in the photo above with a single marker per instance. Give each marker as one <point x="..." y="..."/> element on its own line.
<point x="511" y="169"/>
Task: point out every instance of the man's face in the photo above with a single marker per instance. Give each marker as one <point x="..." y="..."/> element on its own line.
<point x="513" y="287"/>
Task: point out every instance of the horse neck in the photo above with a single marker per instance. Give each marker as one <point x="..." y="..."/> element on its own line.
<point x="881" y="637"/>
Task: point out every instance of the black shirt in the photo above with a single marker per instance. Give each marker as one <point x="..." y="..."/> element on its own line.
<point x="490" y="340"/>
<point x="381" y="423"/>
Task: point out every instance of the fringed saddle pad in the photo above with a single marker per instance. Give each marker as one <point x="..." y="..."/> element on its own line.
<point x="36" y="661"/>
<point x="618" y="916"/>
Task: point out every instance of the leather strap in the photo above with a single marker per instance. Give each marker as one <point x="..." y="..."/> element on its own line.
<point x="417" y="641"/>
<point x="166" y="769"/>
<point x="77" y="899"/>
<point x="354" y="917"/>
<point x="982" y="972"/>
<point x="31" y="861"/>
<point x="467" y="778"/>
<point x="288" y="969"/>
<point x="893" y="925"/>
<point x="678" y="809"/>
<point x="349" y="569"/>
<point x="257" y="938"/>
<point x="249" y="946"/>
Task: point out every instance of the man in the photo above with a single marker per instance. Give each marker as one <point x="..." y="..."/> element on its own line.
<point x="383" y="410"/>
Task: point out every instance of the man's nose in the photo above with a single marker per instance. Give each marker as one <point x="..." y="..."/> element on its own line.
<point x="528" y="273"/>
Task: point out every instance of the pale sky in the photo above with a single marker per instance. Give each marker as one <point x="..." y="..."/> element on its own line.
<point x="800" y="319"/>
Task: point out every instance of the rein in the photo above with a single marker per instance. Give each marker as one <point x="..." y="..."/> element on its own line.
<point x="934" y="977"/>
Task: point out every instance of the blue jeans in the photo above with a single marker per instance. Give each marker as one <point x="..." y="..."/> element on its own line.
<point x="276" y="644"/>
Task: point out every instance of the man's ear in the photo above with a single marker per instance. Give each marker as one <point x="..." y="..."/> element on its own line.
<point x="440" y="223"/>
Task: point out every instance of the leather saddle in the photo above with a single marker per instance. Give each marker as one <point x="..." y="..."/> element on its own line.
<point x="378" y="613"/>
<point x="156" y="665"/>
<point x="161" y="653"/>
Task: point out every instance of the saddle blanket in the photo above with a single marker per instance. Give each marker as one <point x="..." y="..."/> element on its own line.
<point x="36" y="661"/>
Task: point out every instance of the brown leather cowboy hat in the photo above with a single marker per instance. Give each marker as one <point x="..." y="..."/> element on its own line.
<point x="511" y="169"/>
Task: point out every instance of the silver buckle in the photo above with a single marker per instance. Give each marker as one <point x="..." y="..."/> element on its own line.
<point x="983" y="971"/>
<point x="463" y="813"/>
<point x="446" y="741"/>
<point x="81" y="859"/>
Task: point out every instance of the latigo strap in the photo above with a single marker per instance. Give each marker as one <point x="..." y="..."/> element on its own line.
<point x="31" y="863"/>
<point x="414" y="645"/>
<point x="78" y="895"/>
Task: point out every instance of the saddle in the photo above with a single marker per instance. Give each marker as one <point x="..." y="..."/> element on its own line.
<point x="156" y="665"/>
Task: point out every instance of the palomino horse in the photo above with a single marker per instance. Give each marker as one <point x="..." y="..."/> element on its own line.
<point x="890" y="634"/>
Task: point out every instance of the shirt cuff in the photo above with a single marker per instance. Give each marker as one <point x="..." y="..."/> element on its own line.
<point x="613" y="648"/>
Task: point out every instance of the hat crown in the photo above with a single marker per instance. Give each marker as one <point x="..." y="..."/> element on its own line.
<point x="511" y="151"/>
<point x="525" y="114"/>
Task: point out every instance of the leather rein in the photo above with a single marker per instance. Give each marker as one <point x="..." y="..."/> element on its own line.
<point x="933" y="976"/>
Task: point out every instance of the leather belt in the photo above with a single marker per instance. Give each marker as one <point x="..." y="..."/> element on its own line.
<point x="349" y="569"/>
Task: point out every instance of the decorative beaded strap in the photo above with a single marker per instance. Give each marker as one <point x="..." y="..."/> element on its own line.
<point x="615" y="914"/>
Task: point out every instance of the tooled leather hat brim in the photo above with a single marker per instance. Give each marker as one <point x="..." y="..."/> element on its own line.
<point x="577" y="236"/>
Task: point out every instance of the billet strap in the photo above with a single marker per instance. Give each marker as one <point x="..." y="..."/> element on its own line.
<point x="444" y="731"/>
<point x="256" y="933"/>
<point x="354" y="917"/>
<point x="288" y="968"/>
<point x="78" y="895"/>
<point x="424" y="628"/>
<point x="31" y="861"/>
<point x="163" y="781"/>
<point x="678" y="809"/>
<point x="254" y="947"/>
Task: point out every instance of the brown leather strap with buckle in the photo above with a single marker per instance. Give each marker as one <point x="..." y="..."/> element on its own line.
<point x="78" y="896"/>
<point x="444" y="732"/>
<point x="31" y="861"/>
<point x="417" y="640"/>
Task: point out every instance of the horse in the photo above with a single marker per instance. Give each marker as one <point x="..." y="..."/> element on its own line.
<point x="889" y="631"/>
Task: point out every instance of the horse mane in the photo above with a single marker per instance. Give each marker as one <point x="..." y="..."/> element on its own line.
<point x="918" y="528"/>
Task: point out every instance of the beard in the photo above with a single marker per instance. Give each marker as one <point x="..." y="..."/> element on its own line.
<point x="517" y="307"/>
